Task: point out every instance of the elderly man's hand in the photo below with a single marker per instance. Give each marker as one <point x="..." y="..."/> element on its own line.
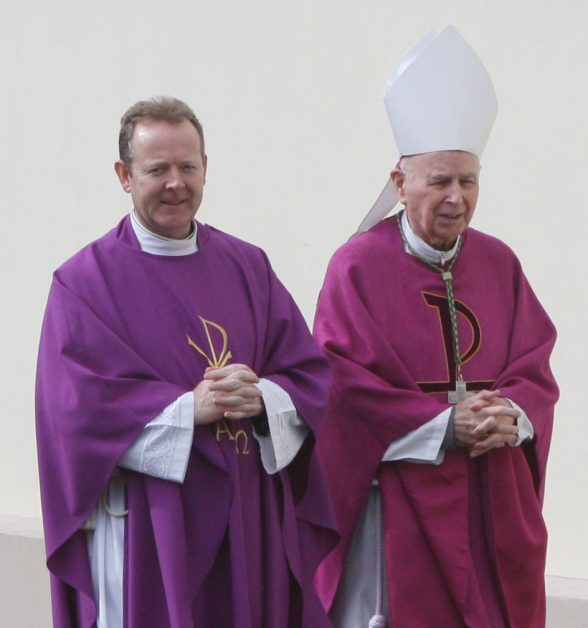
<point x="228" y="392"/>
<point x="484" y="421"/>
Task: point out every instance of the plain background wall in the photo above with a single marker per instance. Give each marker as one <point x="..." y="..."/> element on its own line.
<point x="290" y="94"/>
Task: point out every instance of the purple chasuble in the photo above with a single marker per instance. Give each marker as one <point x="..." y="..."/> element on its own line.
<point x="231" y="545"/>
<point x="465" y="541"/>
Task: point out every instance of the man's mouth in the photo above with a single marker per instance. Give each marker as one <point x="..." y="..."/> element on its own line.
<point x="451" y="216"/>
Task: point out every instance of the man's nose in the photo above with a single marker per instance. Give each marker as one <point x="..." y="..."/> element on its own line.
<point x="455" y="193"/>
<point x="174" y="179"/>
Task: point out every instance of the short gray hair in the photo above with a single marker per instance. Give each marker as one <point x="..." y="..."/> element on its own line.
<point x="164" y="108"/>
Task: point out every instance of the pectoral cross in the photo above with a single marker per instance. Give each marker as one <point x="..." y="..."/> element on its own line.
<point x="459" y="394"/>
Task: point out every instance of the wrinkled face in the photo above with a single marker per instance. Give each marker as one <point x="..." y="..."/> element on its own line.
<point x="166" y="176"/>
<point x="440" y="191"/>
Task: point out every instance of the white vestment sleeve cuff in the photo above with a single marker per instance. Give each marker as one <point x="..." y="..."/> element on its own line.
<point x="422" y="445"/>
<point x="163" y="448"/>
<point x="526" y="430"/>
<point x="287" y="429"/>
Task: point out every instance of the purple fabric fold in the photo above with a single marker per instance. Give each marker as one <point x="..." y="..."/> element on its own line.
<point x="113" y="354"/>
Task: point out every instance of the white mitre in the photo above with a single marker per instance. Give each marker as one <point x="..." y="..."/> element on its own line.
<point x="439" y="97"/>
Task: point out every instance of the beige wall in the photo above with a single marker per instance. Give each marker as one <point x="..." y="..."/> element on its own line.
<point x="299" y="146"/>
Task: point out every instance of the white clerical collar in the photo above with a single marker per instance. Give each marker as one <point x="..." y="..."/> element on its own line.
<point x="160" y="245"/>
<point x="422" y="248"/>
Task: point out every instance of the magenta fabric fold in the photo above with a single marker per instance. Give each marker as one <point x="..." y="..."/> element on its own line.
<point x="452" y="530"/>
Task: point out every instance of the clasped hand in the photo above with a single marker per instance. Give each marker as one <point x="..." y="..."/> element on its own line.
<point x="228" y="392"/>
<point x="484" y="421"/>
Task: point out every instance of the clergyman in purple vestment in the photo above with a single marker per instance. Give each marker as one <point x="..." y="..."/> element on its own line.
<point x="438" y="428"/>
<point x="178" y="397"/>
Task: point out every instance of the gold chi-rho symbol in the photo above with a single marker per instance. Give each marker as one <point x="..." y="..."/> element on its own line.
<point x="213" y="359"/>
<point x="219" y="359"/>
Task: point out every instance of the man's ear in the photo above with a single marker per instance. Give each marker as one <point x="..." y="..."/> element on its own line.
<point x="123" y="174"/>
<point x="398" y="179"/>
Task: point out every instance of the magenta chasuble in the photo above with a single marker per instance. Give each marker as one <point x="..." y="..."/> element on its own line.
<point x="232" y="545"/>
<point x="454" y="530"/>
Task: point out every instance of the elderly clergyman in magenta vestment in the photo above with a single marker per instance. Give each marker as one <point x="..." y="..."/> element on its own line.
<point x="131" y="326"/>
<point x="436" y="531"/>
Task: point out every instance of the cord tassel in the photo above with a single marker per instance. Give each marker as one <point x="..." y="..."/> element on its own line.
<point x="378" y="620"/>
